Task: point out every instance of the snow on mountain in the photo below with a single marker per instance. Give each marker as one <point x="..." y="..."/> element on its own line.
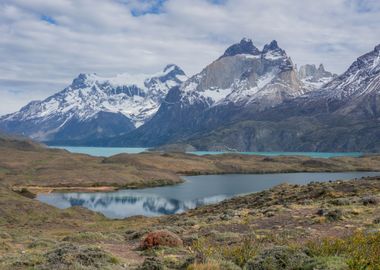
<point x="133" y="97"/>
<point x="357" y="91"/>
<point x="243" y="80"/>
<point x="244" y="75"/>
<point x="354" y="94"/>
<point x="313" y="77"/>
<point x="362" y="77"/>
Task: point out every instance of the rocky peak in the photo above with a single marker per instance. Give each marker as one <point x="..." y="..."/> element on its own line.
<point x="171" y="75"/>
<point x="312" y="72"/>
<point x="172" y="68"/>
<point x="321" y="68"/>
<point x="171" y="72"/>
<point x="271" y="47"/>
<point x="313" y="77"/>
<point x="80" y="81"/>
<point x="273" y="53"/>
<point x="246" y="76"/>
<point x="362" y="78"/>
<point x="245" y="46"/>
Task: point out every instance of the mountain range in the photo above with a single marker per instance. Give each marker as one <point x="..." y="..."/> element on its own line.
<point x="94" y="107"/>
<point x="247" y="100"/>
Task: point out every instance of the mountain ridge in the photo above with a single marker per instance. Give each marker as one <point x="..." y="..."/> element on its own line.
<point x="255" y="100"/>
<point x="94" y="106"/>
<point x="252" y="80"/>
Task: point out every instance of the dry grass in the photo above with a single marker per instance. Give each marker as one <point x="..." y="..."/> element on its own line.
<point x="23" y="163"/>
<point x="242" y="227"/>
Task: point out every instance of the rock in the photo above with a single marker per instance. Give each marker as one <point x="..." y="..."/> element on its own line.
<point x="161" y="238"/>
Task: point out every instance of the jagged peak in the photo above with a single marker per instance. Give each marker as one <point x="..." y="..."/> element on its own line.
<point x="174" y="69"/>
<point x="308" y="66"/>
<point x="377" y="48"/>
<point x="271" y="46"/>
<point x="245" y="46"/>
<point x="321" y="68"/>
<point x="81" y="79"/>
<point x="171" y="72"/>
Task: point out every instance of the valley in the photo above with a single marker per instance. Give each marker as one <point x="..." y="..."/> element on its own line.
<point x="189" y="135"/>
<point x="284" y="218"/>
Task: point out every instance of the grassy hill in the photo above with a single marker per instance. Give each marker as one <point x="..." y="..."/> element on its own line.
<point x="316" y="226"/>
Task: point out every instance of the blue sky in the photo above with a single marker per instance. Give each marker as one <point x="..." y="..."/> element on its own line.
<point x="45" y="44"/>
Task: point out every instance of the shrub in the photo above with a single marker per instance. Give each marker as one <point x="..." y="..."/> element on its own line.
<point x="161" y="238"/>
<point x="370" y="200"/>
<point x="284" y="258"/>
<point x="360" y="250"/>
<point x="204" y="266"/>
<point x="151" y="263"/>
<point x="340" y="201"/>
<point x="326" y="263"/>
<point x="237" y="254"/>
<point x="334" y="215"/>
<point x="41" y="243"/>
<point x="68" y="256"/>
<point x="241" y="254"/>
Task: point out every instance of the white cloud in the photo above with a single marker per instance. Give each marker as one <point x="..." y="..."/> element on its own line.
<point x="104" y="37"/>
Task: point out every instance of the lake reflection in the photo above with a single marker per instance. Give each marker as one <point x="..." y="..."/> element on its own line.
<point x="196" y="191"/>
<point x="125" y="203"/>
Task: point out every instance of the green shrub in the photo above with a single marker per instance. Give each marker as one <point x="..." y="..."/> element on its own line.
<point x="69" y="256"/>
<point x="362" y="251"/>
<point x="277" y="258"/>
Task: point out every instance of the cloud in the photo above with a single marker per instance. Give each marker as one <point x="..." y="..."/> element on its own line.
<point x="16" y="94"/>
<point x="53" y="41"/>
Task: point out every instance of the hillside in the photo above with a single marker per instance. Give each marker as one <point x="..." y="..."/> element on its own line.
<point x="298" y="222"/>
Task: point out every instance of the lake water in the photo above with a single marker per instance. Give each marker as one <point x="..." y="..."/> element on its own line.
<point x="110" y="151"/>
<point x="194" y="192"/>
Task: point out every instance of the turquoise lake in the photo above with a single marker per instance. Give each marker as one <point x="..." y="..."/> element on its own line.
<point x="110" y="151"/>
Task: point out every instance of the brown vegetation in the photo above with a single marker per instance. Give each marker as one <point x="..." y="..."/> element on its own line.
<point x="316" y="226"/>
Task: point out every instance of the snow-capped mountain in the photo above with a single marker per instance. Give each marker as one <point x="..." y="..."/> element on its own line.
<point x="362" y="77"/>
<point x="243" y="78"/>
<point x="313" y="77"/>
<point x="356" y="92"/>
<point x="256" y="100"/>
<point x="343" y="115"/>
<point x="244" y="75"/>
<point x="95" y="106"/>
<point x="248" y="99"/>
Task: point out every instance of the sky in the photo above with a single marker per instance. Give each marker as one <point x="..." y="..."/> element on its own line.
<point x="45" y="44"/>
